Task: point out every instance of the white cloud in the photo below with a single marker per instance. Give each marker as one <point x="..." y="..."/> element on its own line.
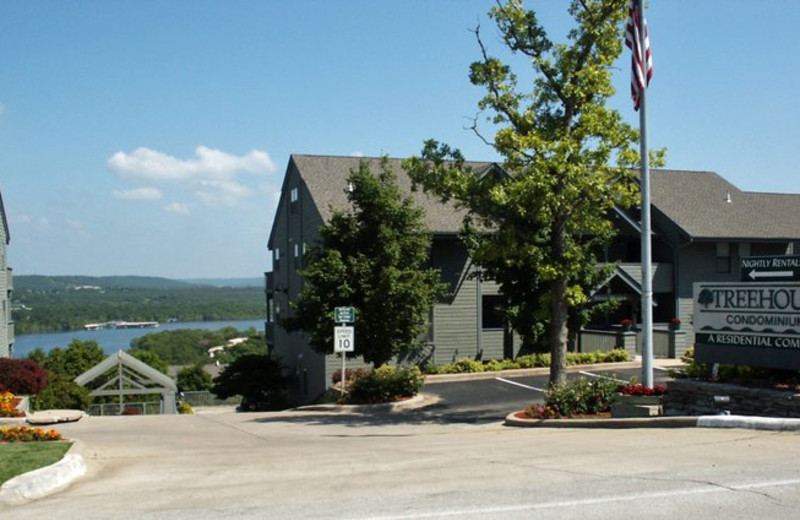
<point x="177" y="207"/>
<point x="209" y="164"/>
<point x="2" y="108"/>
<point x="211" y="175"/>
<point x="357" y="154"/>
<point x="137" y="194"/>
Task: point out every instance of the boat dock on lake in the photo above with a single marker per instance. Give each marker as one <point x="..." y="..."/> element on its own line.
<point x="121" y="325"/>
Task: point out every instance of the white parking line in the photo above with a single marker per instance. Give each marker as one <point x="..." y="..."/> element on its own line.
<point x="589" y="374"/>
<point x="510" y="382"/>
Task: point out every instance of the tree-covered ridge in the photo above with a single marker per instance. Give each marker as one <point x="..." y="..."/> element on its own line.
<point x="78" y="283"/>
<point x="36" y="282"/>
<point x="70" y="309"/>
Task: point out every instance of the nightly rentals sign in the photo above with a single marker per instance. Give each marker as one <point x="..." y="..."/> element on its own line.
<point x="756" y="324"/>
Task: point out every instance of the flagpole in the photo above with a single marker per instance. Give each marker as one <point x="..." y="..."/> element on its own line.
<point x="647" y="278"/>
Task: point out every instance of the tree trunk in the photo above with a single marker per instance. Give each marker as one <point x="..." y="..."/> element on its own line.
<point x="558" y="332"/>
<point x="559" y="314"/>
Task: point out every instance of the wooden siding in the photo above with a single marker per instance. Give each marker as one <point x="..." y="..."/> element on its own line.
<point x="295" y="223"/>
<point x="662" y="275"/>
<point x="598" y="340"/>
<point x="455" y="319"/>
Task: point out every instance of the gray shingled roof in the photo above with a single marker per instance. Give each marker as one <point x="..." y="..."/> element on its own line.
<point x="326" y="179"/>
<point x="697" y="202"/>
<point x="706" y="206"/>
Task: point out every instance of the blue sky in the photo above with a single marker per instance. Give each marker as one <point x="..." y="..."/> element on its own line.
<point x="151" y="138"/>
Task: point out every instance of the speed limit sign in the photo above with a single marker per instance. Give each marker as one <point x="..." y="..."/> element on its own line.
<point x="344" y="339"/>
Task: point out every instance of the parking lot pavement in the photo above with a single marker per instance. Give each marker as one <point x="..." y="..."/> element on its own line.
<point x="491" y="397"/>
<point x="319" y="465"/>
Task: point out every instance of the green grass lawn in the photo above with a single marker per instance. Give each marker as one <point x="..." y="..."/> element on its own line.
<point x="17" y="458"/>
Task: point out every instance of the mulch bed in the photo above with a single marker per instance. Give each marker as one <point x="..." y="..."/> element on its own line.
<point x="603" y="415"/>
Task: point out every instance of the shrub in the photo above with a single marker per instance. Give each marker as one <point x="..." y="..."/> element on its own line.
<point x="62" y="393"/>
<point x="537" y="360"/>
<point x="257" y="378"/>
<point x="616" y="355"/>
<point x="351" y="373"/>
<point x="21" y="376"/>
<point x="194" y="378"/>
<point x="431" y="369"/>
<point x="541" y="411"/>
<point x="510" y="364"/>
<point x="494" y="366"/>
<point x="463" y="366"/>
<point x="740" y="374"/>
<point x="581" y="397"/>
<point x="385" y="384"/>
<point x="185" y="408"/>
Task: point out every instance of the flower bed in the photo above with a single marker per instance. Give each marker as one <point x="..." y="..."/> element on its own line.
<point x="574" y="399"/>
<point x="641" y="390"/>
<point x="8" y="405"/>
<point x="27" y="434"/>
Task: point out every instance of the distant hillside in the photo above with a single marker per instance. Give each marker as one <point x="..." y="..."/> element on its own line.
<point x="60" y="303"/>
<point x="227" y="282"/>
<point x="66" y="283"/>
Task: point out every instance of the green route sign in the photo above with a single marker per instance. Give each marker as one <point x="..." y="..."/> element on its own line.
<point x="344" y="314"/>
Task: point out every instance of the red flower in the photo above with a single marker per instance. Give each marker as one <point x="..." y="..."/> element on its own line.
<point x="639" y="390"/>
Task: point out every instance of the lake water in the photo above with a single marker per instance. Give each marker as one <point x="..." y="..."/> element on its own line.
<point x="112" y="340"/>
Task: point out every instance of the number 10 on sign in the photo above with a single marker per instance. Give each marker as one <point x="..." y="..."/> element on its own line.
<point x="344" y="339"/>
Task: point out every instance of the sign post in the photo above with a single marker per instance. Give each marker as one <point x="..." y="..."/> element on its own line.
<point x="344" y="337"/>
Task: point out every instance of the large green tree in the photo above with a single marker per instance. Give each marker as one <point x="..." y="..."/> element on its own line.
<point x="373" y="258"/>
<point x="194" y="378"/>
<point x="566" y="154"/>
<point x="257" y="378"/>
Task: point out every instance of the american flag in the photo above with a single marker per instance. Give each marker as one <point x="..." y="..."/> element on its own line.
<point x="639" y="78"/>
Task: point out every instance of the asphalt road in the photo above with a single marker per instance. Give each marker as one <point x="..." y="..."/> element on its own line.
<point x="490" y="400"/>
<point x="312" y="465"/>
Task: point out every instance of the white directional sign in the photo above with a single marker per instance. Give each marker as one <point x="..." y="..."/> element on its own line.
<point x="344" y="339"/>
<point x="781" y="268"/>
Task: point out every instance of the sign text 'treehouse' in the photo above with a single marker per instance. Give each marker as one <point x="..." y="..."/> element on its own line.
<point x="756" y="324"/>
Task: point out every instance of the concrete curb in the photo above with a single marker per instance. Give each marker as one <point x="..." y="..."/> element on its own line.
<point x="749" y="422"/>
<point x="703" y="421"/>
<point x="414" y="403"/>
<point x="45" y="481"/>
<point x="636" y="422"/>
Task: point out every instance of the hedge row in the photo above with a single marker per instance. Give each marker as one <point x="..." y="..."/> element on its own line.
<point x="467" y="365"/>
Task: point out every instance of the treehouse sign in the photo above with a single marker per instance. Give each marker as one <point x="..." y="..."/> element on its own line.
<point x="756" y="324"/>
